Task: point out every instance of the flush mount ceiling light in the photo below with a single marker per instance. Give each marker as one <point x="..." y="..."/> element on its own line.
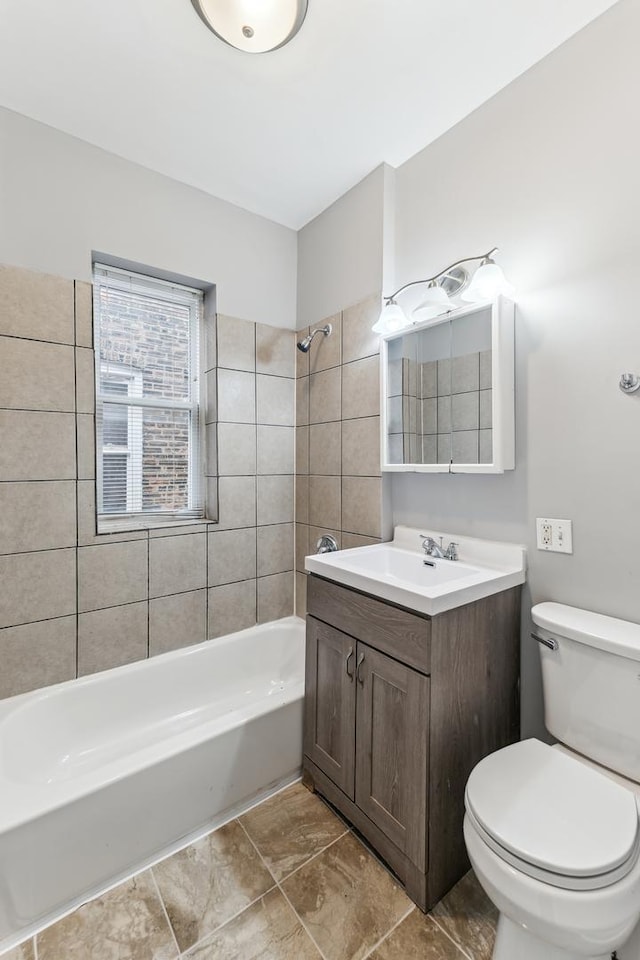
<point x="488" y="282"/>
<point x="255" y="26"/>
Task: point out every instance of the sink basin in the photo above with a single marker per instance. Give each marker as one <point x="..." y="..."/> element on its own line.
<point x="396" y="571"/>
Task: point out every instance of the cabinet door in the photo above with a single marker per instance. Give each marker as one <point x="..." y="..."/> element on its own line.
<point x="392" y="749"/>
<point x="330" y="703"/>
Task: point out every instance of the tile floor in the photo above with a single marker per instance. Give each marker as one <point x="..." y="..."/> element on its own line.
<point x="286" y="881"/>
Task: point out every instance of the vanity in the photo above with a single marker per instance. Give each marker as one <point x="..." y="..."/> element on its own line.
<point x="412" y="674"/>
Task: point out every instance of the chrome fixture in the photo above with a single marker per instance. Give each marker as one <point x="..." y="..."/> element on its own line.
<point x="326" y="544"/>
<point x="305" y="344"/>
<point x="431" y="549"/>
<point x="552" y="644"/>
<point x="629" y="383"/>
<point x="257" y="26"/>
<point x="487" y="283"/>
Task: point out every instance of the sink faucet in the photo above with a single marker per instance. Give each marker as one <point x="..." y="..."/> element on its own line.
<point x="432" y="549"/>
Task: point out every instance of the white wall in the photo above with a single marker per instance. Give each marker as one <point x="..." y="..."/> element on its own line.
<point x="61" y="198"/>
<point x="340" y="252"/>
<point x="549" y="171"/>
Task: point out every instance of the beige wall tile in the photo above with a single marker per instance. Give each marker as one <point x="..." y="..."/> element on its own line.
<point x="232" y="607"/>
<point x="302" y="499"/>
<point x="211" y="398"/>
<point x="178" y="621"/>
<point x="85" y="424"/>
<point x="236" y="396"/>
<point x="210" y="356"/>
<point x="358" y="340"/>
<point x="237" y="502"/>
<point x="85" y="381"/>
<point x="301" y="595"/>
<point x="112" y="573"/>
<point x="302" y="401"/>
<point x="35" y="305"/>
<point x="302" y="450"/>
<point x="324" y="501"/>
<point x="37" y="516"/>
<point x="302" y="359"/>
<point x="37" y="586"/>
<point x="109" y="638"/>
<point x="87" y="533"/>
<point x="275" y="549"/>
<point x="302" y="545"/>
<point x="275" y="351"/>
<point x="325" y="449"/>
<point x="276" y="450"/>
<point x="275" y="500"/>
<point x="275" y="400"/>
<point x="26" y="951"/>
<point x="361" y="505"/>
<point x="84" y="313"/>
<point x="211" y="499"/>
<point x="36" y="376"/>
<point x="236" y="449"/>
<point x="236" y="343"/>
<point x="177" y="564"/>
<point x="232" y="556"/>
<point x="326" y="351"/>
<point x="351" y="540"/>
<point x="361" y="447"/>
<point x="361" y="389"/>
<point x="275" y="597"/>
<point x="325" y="396"/>
<point x="211" y="449"/>
<point x="37" y="446"/>
<point x="37" y="655"/>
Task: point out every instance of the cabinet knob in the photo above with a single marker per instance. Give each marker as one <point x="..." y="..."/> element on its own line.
<point x="358" y="670"/>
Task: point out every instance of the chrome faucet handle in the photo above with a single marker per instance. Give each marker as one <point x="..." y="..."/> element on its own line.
<point x="326" y="544"/>
<point x="451" y="553"/>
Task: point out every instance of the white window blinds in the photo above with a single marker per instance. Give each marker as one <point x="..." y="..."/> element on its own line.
<point x="148" y="429"/>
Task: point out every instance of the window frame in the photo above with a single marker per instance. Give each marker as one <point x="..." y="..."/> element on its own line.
<point x="130" y="281"/>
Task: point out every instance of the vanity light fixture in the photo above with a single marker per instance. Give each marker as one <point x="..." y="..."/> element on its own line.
<point x="254" y="26"/>
<point x="488" y="282"/>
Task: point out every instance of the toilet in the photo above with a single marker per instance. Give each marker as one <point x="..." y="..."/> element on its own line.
<point x="553" y="832"/>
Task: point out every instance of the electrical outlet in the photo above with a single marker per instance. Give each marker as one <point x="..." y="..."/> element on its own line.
<point x="554" y="535"/>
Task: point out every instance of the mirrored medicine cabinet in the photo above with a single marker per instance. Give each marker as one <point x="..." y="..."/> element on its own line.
<point x="447" y="393"/>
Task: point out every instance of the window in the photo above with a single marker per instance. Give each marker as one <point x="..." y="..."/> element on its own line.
<point x="148" y="430"/>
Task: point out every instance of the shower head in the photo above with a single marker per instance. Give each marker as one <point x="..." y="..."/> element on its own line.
<point x="304" y="345"/>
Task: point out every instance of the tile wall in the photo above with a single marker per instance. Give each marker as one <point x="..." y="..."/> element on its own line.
<point x="72" y="602"/>
<point x="338" y="483"/>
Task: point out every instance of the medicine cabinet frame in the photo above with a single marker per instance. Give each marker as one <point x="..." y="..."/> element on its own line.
<point x="502" y="387"/>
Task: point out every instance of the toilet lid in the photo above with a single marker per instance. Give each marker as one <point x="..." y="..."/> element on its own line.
<point x="553" y="812"/>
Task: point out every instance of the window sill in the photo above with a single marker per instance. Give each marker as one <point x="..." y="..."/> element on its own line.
<point x="107" y="527"/>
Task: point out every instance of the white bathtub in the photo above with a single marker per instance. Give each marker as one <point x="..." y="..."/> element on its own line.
<point x="102" y="776"/>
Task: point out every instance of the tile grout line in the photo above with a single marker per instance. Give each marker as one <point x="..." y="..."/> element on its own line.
<point x="164" y="910"/>
<point x="448" y="935"/>
<point x="279" y="887"/>
<point x="390" y="931"/>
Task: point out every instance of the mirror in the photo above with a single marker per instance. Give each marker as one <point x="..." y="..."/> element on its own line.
<point x="441" y="409"/>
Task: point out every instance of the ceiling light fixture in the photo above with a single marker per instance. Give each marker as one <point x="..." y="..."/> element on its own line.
<point x="488" y="282"/>
<point x="254" y="26"/>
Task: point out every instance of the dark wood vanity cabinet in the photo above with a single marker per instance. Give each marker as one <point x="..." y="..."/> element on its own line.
<point x="398" y="710"/>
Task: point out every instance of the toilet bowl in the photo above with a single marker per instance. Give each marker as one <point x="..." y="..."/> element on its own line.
<point x="555" y="844"/>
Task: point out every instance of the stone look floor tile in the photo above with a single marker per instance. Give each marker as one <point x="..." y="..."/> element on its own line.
<point x="346" y="900"/>
<point x="24" y="952"/>
<point x="469" y="917"/>
<point x="290" y="828"/>
<point x="127" y="923"/>
<point x="210" y="881"/>
<point x="267" y="930"/>
<point x="417" y="938"/>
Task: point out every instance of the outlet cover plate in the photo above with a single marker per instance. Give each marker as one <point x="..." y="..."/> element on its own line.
<point x="556" y="536"/>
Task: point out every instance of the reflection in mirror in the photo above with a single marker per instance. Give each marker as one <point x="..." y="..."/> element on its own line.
<point x="439" y="398"/>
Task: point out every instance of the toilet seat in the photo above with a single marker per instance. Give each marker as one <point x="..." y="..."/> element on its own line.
<point x="553" y="818"/>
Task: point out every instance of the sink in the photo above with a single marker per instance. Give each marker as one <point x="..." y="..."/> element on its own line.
<point x="396" y="571"/>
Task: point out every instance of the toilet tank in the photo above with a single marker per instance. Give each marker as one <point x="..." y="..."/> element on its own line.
<point x="591" y="684"/>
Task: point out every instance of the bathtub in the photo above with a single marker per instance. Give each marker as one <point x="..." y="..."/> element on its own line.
<point x="103" y="776"/>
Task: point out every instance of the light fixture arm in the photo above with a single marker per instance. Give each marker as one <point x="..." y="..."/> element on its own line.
<point x="442" y="273"/>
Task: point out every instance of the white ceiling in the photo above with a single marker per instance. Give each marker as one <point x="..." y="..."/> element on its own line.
<point x="286" y="133"/>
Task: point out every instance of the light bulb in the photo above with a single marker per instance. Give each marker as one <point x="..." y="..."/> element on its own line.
<point x="392" y="318"/>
